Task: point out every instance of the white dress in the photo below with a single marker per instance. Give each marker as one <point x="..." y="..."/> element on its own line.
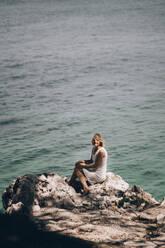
<point x="97" y="175"/>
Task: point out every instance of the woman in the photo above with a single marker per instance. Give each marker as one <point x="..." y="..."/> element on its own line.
<point x="94" y="170"/>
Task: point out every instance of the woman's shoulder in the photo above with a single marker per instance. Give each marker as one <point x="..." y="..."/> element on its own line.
<point x="103" y="151"/>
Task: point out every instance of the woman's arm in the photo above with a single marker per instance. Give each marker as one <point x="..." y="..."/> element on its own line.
<point x="89" y="161"/>
<point x="97" y="163"/>
<point x="82" y="163"/>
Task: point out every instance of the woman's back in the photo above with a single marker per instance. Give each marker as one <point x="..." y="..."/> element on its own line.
<point x="102" y="168"/>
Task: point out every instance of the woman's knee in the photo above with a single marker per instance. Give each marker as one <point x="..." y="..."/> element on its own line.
<point x="79" y="162"/>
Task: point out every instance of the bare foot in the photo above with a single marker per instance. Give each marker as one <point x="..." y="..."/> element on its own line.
<point x="85" y="192"/>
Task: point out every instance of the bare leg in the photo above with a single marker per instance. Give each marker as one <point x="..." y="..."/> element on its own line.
<point x="74" y="175"/>
<point x="78" y="173"/>
<point x="81" y="176"/>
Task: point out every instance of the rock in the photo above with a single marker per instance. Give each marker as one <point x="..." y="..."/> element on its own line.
<point x="115" y="182"/>
<point x="35" y="208"/>
<point x="113" y="214"/>
<point x="161" y="219"/>
<point x="21" y="232"/>
<point x="163" y="202"/>
<point x="49" y="189"/>
<point x="147" y="218"/>
<point x="135" y="198"/>
<point x="15" y="208"/>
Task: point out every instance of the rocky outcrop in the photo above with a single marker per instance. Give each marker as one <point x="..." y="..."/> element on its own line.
<point x="32" y="192"/>
<point x="112" y="214"/>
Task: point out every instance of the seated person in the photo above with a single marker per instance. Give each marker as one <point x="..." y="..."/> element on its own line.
<point x="94" y="170"/>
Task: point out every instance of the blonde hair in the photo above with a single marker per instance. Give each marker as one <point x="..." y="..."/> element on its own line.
<point x="98" y="137"/>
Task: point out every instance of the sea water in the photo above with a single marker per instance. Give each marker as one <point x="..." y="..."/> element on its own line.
<point x="71" y="68"/>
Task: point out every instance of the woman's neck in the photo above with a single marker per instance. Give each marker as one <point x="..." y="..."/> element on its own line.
<point x="97" y="148"/>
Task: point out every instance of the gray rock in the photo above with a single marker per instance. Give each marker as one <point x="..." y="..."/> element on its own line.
<point x="163" y="202"/>
<point x="49" y="189"/>
<point x="113" y="213"/>
<point x="15" y="208"/>
<point x="161" y="219"/>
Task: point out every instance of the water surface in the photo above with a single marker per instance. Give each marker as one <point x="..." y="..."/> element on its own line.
<point x="71" y="68"/>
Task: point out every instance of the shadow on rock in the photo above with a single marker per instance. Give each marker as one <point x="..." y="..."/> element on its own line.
<point x="19" y="231"/>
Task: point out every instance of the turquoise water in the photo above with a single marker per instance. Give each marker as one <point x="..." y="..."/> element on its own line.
<point x="70" y="68"/>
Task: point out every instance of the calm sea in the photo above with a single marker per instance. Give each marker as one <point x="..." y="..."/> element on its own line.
<point x="70" y="68"/>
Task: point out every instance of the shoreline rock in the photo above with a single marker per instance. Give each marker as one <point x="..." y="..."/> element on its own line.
<point x="112" y="213"/>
